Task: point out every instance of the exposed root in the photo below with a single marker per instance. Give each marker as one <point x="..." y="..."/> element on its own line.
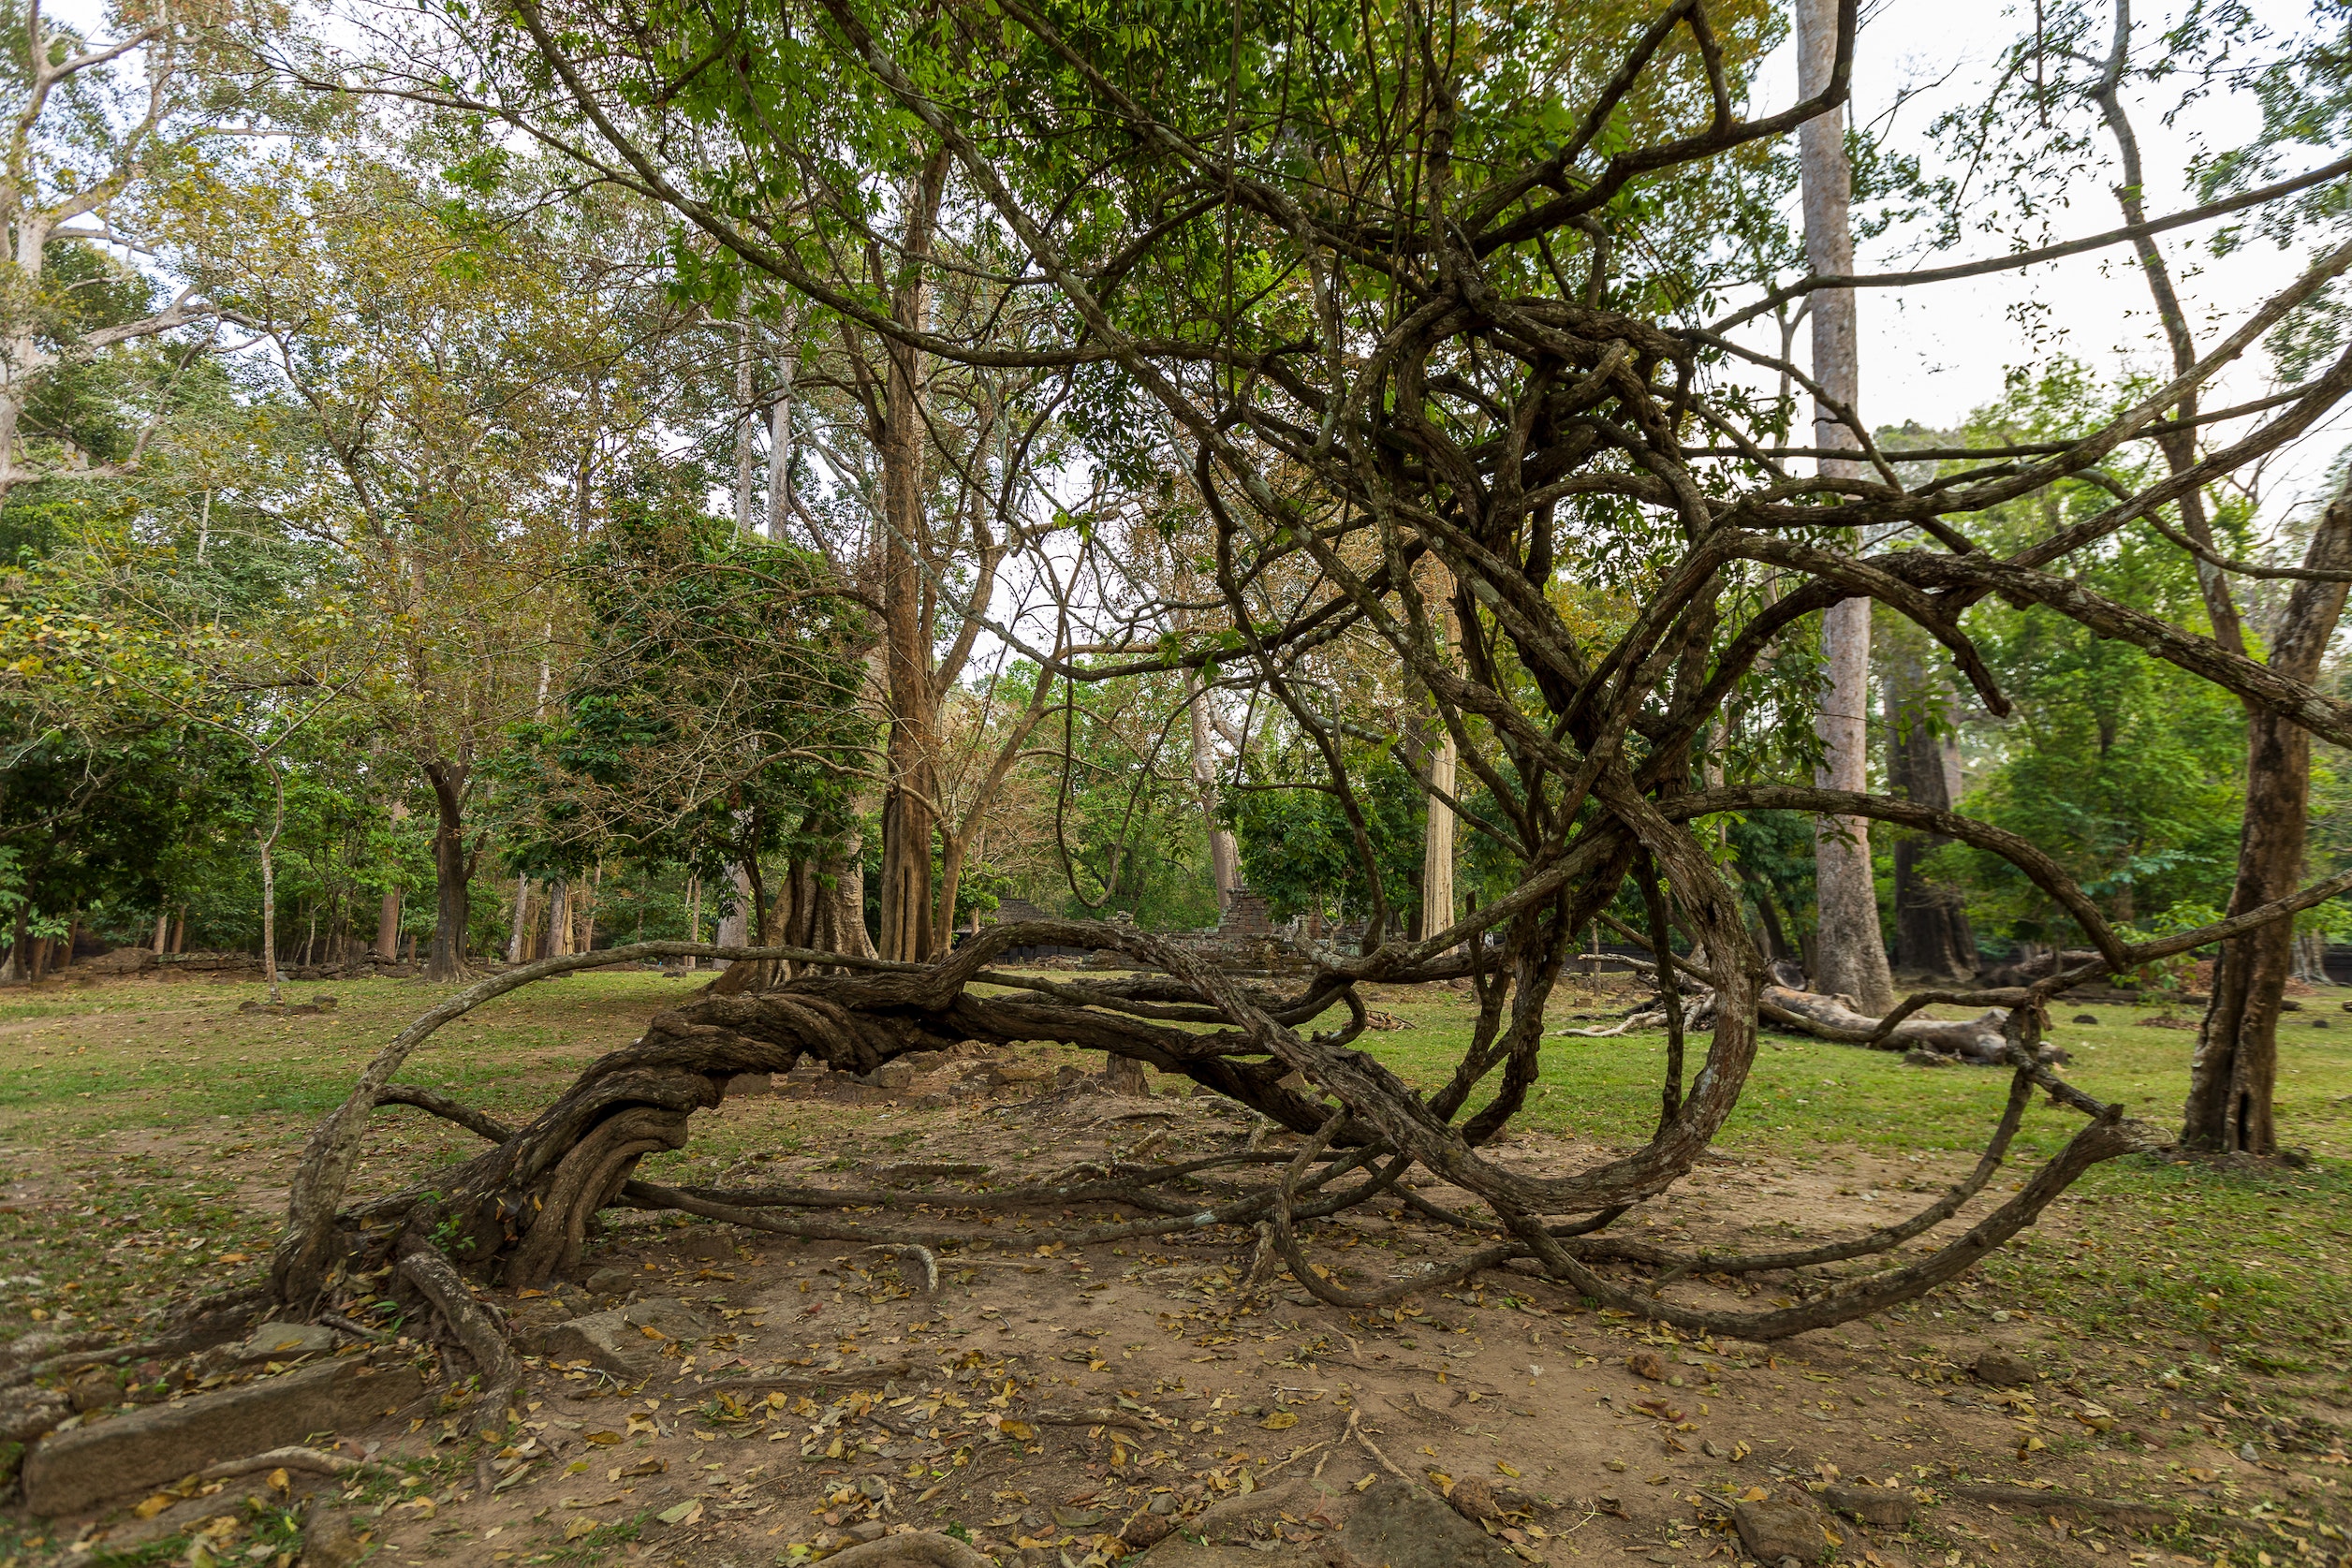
<point x="483" y="1339"/>
<point x="351" y="1326"/>
<point x="521" y="1207"/>
<point x="1089" y="1418"/>
<point x="809" y="1382"/>
<point x="316" y="1462"/>
<point x="1356" y="1431"/>
<point x="924" y="1278"/>
<point x="447" y="1109"/>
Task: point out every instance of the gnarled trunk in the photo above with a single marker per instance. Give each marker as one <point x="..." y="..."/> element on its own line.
<point x="2235" y="1073"/>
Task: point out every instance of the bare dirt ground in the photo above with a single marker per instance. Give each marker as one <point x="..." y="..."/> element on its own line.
<point x="1047" y="1395"/>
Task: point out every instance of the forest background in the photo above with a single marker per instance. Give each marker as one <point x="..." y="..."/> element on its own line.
<point x="414" y="544"/>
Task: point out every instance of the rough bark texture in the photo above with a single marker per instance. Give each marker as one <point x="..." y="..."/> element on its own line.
<point x="1849" y="954"/>
<point x="910" y="799"/>
<point x="1977" y="1039"/>
<point x="2234" y="1075"/>
<point x="452" y="868"/>
<point x="1933" y="937"/>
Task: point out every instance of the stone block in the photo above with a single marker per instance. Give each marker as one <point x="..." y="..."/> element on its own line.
<point x="1411" y="1527"/>
<point x="73" y="1471"/>
<point x="1778" y="1528"/>
<point x="284" y="1341"/>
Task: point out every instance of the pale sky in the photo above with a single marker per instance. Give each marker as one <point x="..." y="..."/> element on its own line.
<point x="1932" y="353"/>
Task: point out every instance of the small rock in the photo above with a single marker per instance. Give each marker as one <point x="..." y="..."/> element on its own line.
<point x="2290" y="1006"/>
<point x="1919" y="1057"/>
<point x="1162" y="1503"/>
<point x="1645" y="1363"/>
<point x="2086" y="1017"/>
<point x="893" y="1075"/>
<point x="600" y="1340"/>
<point x="283" y="1342"/>
<point x="328" y="1541"/>
<point x="2319" y="1024"/>
<point x="1777" y="1528"/>
<point x="1409" y="1527"/>
<point x="72" y="1471"/>
<point x="2246" y="1453"/>
<point x="2002" y="1369"/>
<point x="1474" y="1500"/>
<point x="95" y="1389"/>
<point x="1512" y="1501"/>
<point x="1888" y="1507"/>
<point x="667" y="1316"/>
<point x="1146" y="1529"/>
<point x="872" y="1529"/>
<point x="611" y="1281"/>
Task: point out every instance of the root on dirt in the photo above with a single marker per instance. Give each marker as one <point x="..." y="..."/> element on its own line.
<point x="518" y="1212"/>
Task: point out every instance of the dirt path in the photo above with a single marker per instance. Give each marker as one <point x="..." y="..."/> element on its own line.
<point x="1047" y="1392"/>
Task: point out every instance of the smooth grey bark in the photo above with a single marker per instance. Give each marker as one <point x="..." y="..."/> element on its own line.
<point x="1225" y="860"/>
<point x="780" y="426"/>
<point x="1849" y="953"/>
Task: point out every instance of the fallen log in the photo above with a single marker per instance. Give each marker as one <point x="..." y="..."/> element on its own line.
<point x="1830" y="1018"/>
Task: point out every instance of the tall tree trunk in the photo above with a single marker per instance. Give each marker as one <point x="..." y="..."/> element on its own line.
<point x="452" y="869"/>
<point x="588" y="913"/>
<point x="559" y="918"/>
<point x="1437" y="827"/>
<point x="909" y="799"/>
<point x="387" y="907"/>
<point x="734" y="927"/>
<point x="694" y="917"/>
<point x="1848" y="951"/>
<point x="1225" y="859"/>
<point x="518" y="931"/>
<point x="1933" y="936"/>
<point x="268" y="843"/>
<point x="779" y="425"/>
<point x="747" y="444"/>
<point x="2235" y="1074"/>
<point x="2311" y="958"/>
<point x="163" y="930"/>
<point x="842" y="917"/>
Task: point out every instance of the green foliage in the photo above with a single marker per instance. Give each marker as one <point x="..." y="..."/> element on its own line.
<point x="2124" y="768"/>
<point x="1299" y="849"/>
<point x="1122" y="815"/>
<point x="712" y="717"/>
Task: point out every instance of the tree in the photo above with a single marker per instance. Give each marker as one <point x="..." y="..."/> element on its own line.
<point x="713" y="720"/>
<point x="1849" y="954"/>
<point x="1443" y="355"/>
<point x="99" y="126"/>
<point x="2229" y="1100"/>
<point x="465" y="388"/>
